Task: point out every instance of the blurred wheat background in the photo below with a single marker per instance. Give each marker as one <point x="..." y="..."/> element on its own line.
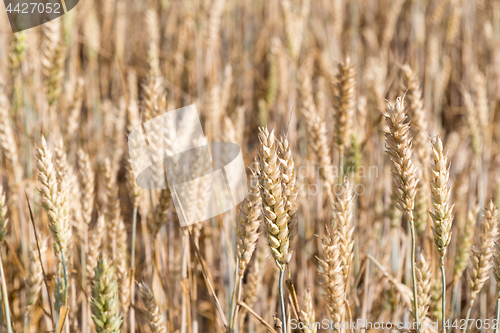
<point x="371" y="133"/>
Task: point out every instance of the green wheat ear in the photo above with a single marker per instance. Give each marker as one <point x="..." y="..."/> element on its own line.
<point x="105" y="303"/>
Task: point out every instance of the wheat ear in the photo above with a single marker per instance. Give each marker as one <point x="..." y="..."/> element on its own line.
<point x="249" y="222"/>
<point x="399" y="147"/>
<point x="424" y="284"/>
<point x="273" y="207"/>
<point x="87" y="185"/>
<point x="161" y="212"/>
<point x="442" y="216"/>
<point x="155" y="319"/>
<point x="343" y="210"/>
<point x="7" y="140"/>
<point x="122" y="267"/>
<point x="289" y="184"/>
<point x="308" y="315"/>
<point x="344" y="102"/>
<point x="496" y="274"/>
<point x="331" y="273"/>
<point x="482" y="254"/>
<point x="34" y="280"/>
<point x="94" y="245"/>
<point x="275" y="215"/>
<point x="111" y="207"/>
<point x="464" y="250"/>
<point x="52" y="201"/>
<point x="418" y="116"/>
<point x="105" y="303"/>
<point x="316" y="130"/>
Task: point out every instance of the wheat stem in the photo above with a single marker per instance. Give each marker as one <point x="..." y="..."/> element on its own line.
<point x="132" y="271"/>
<point x="453" y="302"/>
<point x="467" y="316"/>
<point x="5" y="298"/>
<point x="413" y="274"/>
<point x="282" y="301"/>
<point x="443" y="293"/>
<point x="497" y="315"/>
<point x="237" y="278"/>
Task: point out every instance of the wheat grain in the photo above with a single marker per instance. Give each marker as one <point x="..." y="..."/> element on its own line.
<point x="289" y="184"/>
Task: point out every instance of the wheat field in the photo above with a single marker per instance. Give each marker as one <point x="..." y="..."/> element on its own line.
<point x="371" y="134"/>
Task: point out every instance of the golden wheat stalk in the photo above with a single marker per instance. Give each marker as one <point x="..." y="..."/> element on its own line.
<point x="399" y="147"/>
